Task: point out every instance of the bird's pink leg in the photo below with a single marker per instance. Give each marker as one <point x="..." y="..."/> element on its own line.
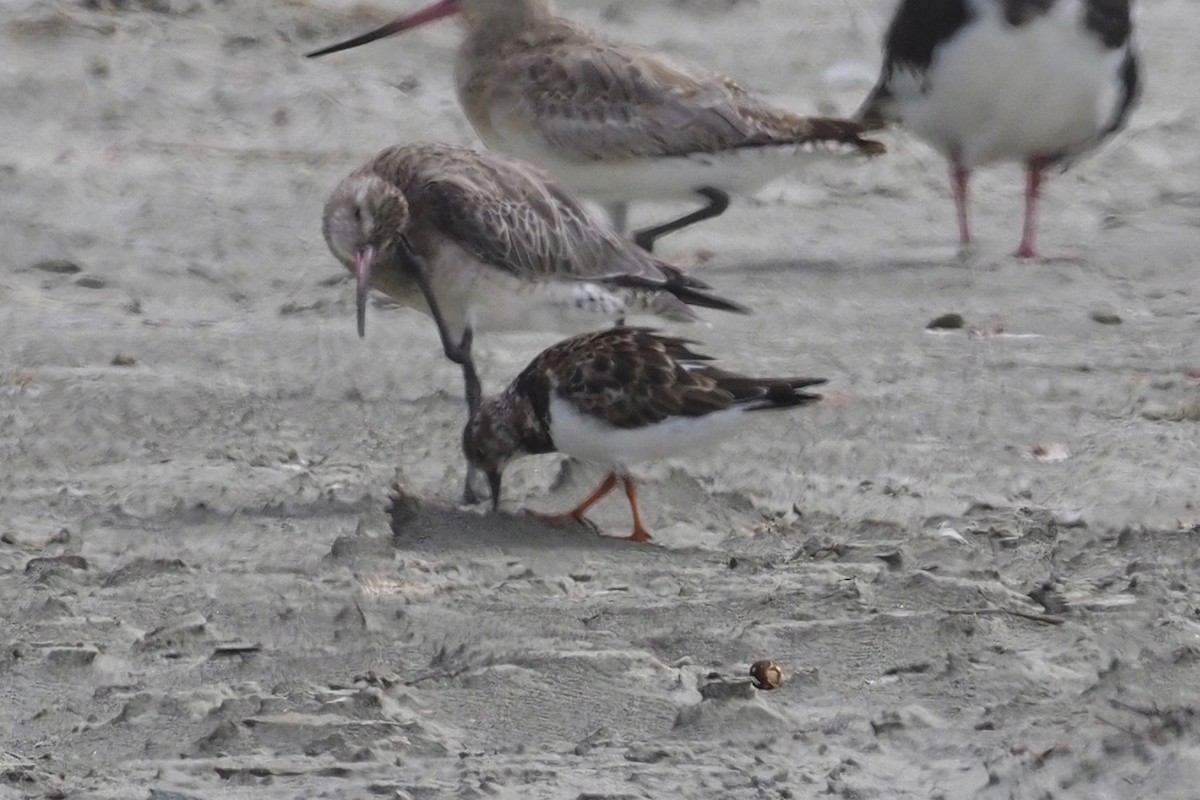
<point x="1035" y="171"/>
<point x="960" y="177"/>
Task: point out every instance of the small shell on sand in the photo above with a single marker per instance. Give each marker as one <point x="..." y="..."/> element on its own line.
<point x="767" y="674"/>
<point x="1050" y="452"/>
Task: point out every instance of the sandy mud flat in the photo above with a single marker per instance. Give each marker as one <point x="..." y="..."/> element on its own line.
<point x="977" y="563"/>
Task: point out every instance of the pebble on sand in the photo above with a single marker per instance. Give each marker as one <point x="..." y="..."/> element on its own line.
<point x="946" y="322"/>
<point x="59" y="266"/>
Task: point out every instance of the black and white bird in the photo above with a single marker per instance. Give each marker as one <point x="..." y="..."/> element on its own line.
<point x="619" y="397"/>
<point x="1035" y="81"/>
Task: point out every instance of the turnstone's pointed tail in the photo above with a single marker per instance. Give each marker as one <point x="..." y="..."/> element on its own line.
<point x="763" y="394"/>
<point x="619" y="397"/>
<point x="1035" y="81"/>
<point x="618" y="122"/>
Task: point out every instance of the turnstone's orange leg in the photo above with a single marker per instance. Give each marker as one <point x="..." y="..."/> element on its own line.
<point x="640" y="534"/>
<point x="576" y="514"/>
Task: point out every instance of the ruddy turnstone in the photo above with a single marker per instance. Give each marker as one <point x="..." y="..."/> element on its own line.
<point x="481" y="241"/>
<point x="1037" y="81"/>
<point x="619" y="397"/>
<point x="617" y="122"/>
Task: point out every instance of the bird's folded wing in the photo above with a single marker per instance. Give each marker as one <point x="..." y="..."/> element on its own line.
<point x="630" y="377"/>
<point x="605" y="101"/>
<point x="512" y="216"/>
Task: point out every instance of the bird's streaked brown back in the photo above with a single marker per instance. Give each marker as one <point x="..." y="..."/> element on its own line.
<point x="635" y="376"/>
<point x="591" y="98"/>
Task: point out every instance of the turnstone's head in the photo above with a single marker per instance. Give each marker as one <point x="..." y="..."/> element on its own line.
<point x="491" y="439"/>
<point x="365" y="219"/>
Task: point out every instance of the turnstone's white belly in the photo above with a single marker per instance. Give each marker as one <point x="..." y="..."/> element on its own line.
<point x="593" y="439"/>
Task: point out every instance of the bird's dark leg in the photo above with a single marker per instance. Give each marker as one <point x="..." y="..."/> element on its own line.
<point x="618" y="216"/>
<point x="470" y="378"/>
<point x="718" y="201"/>
<point x="473" y="491"/>
<point x="459" y="353"/>
<point x="417" y="267"/>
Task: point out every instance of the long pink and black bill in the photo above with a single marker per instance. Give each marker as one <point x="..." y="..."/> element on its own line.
<point x="364" y="263"/>
<point x="440" y="9"/>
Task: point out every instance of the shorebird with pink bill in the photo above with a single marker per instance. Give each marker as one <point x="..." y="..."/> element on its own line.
<point x="481" y="241"/>
<point x="616" y="122"/>
<point x="1036" y="81"/>
<point x="619" y="397"/>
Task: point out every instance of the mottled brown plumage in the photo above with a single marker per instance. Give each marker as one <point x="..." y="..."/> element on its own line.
<point x="617" y="122"/>
<point x="635" y="377"/>
<point x="590" y="98"/>
<point x="617" y="397"/>
<point x="482" y="241"/>
<point x="490" y="226"/>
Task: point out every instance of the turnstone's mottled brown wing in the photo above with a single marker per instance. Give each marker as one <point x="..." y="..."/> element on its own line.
<point x="594" y="99"/>
<point x="632" y="377"/>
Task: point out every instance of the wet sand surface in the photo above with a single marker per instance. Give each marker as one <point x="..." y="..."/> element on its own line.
<point x="976" y="562"/>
